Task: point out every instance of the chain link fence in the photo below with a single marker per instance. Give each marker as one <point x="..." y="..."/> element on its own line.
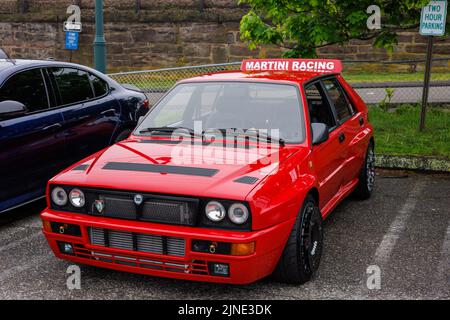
<point x="399" y="82"/>
<point x="386" y="82"/>
<point x="156" y="82"/>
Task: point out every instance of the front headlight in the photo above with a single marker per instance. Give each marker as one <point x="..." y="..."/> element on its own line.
<point x="76" y="197"/>
<point x="215" y="211"/>
<point x="238" y="213"/>
<point x="59" y="196"/>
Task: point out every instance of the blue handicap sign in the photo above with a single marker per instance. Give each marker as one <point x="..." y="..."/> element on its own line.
<point x="71" y="40"/>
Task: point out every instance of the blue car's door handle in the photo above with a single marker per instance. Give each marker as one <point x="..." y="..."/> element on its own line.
<point x="112" y="111"/>
<point x="54" y="127"/>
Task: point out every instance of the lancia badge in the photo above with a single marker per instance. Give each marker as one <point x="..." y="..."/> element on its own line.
<point x="99" y="205"/>
<point x="138" y="199"/>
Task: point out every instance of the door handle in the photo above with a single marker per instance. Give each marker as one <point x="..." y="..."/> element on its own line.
<point x="361" y="121"/>
<point x="53" y="127"/>
<point x="113" y="111"/>
<point x="341" y="137"/>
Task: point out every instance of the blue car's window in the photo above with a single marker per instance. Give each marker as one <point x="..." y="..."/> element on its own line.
<point x="100" y="86"/>
<point x="73" y="85"/>
<point x="28" y="88"/>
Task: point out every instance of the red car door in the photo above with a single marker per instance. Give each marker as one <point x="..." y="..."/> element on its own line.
<point x="327" y="157"/>
<point x="349" y="123"/>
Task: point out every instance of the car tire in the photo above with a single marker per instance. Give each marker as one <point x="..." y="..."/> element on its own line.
<point x="301" y="256"/>
<point x="123" y="135"/>
<point x="367" y="176"/>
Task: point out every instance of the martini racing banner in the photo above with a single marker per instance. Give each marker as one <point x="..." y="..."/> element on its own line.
<point x="292" y="65"/>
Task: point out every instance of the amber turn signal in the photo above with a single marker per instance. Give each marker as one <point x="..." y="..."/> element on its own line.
<point x="47" y="226"/>
<point x="242" y="249"/>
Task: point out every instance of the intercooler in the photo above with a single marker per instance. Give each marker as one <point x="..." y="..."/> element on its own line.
<point x="157" y="244"/>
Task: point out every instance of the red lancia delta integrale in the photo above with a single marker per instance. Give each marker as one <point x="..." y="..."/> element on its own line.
<point x="227" y="179"/>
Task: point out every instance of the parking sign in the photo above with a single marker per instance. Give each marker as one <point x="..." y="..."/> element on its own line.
<point x="71" y="40"/>
<point x="432" y="20"/>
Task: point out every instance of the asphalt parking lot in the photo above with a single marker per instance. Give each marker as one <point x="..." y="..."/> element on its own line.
<point x="404" y="229"/>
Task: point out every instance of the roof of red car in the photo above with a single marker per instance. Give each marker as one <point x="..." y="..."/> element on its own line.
<point x="292" y="70"/>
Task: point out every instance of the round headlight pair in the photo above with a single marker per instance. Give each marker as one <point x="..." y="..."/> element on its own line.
<point x="60" y="198"/>
<point x="238" y="212"/>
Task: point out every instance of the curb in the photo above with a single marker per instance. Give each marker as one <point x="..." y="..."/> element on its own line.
<point x="412" y="163"/>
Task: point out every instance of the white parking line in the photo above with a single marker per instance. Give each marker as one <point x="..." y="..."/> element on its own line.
<point x="386" y="246"/>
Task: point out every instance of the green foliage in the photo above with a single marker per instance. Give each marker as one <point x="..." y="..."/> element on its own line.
<point x="384" y="104"/>
<point x="397" y="133"/>
<point x="302" y="26"/>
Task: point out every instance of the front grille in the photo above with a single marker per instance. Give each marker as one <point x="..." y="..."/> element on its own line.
<point x="140" y="242"/>
<point x="119" y="207"/>
<point x="166" y="211"/>
<point x="154" y="208"/>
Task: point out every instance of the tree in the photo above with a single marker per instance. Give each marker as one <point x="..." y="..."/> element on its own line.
<point x="302" y="26"/>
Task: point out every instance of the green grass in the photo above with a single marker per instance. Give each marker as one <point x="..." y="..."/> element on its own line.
<point x="397" y="133"/>
<point x="392" y="77"/>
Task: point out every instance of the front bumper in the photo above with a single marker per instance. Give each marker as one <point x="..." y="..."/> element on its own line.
<point x="269" y="244"/>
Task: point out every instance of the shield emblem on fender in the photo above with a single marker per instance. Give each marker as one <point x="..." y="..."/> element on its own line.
<point x="99" y="205"/>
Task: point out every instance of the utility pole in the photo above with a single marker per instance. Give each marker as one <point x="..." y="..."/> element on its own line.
<point x="99" y="40"/>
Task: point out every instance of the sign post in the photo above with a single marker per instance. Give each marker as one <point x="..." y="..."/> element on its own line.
<point x="432" y="23"/>
<point x="72" y="27"/>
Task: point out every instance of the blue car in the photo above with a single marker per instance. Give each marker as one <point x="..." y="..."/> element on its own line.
<point x="53" y="114"/>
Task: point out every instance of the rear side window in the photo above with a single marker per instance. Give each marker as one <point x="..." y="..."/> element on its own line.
<point x="318" y="106"/>
<point x="73" y="85"/>
<point x="27" y="87"/>
<point x="100" y="86"/>
<point x="339" y="100"/>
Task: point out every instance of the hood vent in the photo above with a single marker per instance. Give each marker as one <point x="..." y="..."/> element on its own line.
<point x="156" y="168"/>
<point x="81" y="167"/>
<point x="247" y="180"/>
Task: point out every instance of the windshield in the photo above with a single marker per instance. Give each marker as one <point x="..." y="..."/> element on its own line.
<point x="224" y="105"/>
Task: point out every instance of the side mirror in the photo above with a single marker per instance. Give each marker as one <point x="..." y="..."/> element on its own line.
<point x="319" y="133"/>
<point x="10" y="108"/>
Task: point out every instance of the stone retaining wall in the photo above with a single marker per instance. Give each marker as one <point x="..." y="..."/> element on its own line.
<point x="148" y="34"/>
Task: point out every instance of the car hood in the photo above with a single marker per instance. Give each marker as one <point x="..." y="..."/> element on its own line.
<point x="157" y="166"/>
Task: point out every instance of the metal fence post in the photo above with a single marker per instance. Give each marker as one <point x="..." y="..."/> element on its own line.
<point x="426" y="84"/>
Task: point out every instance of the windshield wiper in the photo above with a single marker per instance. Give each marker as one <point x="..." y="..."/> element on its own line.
<point x="266" y="136"/>
<point x="165" y="130"/>
<point x="254" y="133"/>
